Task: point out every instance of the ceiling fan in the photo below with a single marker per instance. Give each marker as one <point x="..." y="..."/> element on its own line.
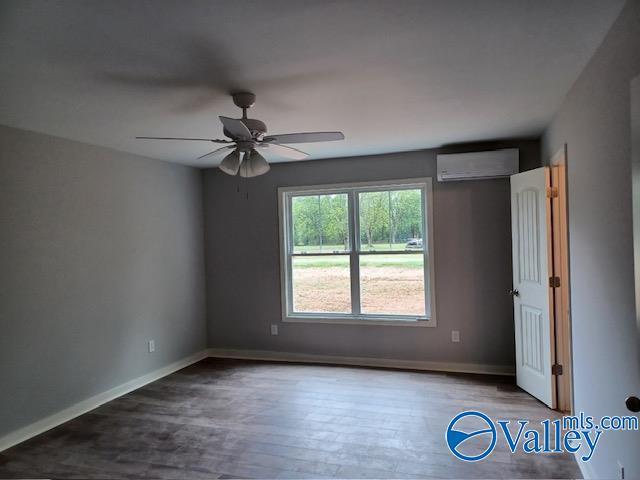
<point x="248" y="135"/>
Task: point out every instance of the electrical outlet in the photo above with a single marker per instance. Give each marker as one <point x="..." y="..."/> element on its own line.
<point x="620" y="470"/>
<point x="455" y="336"/>
<point x="274" y="329"/>
<point x="152" y="346"/>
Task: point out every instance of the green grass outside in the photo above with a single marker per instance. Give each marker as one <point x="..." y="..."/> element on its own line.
<point x="411" y="260"/>
<point x="376" y="247"/>
<point x="340" y="248"/>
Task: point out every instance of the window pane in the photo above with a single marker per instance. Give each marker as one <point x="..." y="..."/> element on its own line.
<point x="321" y="284"/>
<point x="392" y="284"/>
<point x="320" y="223"/>
<point x="391" y="220"/>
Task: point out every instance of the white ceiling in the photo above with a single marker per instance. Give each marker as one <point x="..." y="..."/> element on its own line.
<point x="392" y="75"/>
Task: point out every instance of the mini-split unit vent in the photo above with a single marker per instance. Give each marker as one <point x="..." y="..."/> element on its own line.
<point x="477" y="165"/>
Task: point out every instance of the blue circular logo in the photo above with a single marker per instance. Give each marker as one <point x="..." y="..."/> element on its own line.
<point x="478" y="426"/>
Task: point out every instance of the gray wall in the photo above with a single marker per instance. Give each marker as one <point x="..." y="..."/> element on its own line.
<point x="100" y="251"/>
<point x="472" y="261"/>
<point x="594" y="122"/>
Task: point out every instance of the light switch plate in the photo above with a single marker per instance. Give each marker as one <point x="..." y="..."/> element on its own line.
<point x="152" y="346"/>
<point x="455" y="336"/>
<point x="274" y="329"/>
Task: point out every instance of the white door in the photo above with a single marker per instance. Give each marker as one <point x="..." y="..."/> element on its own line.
<point x="531" y="270"/>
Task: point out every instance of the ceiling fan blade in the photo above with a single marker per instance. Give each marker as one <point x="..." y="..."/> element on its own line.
<point x="285" y="151"/>
<point x="236" y="128"/>
<point x="308" y="137"/>
<point x="214" y="140"/>
<point x="218" y="150"/>
<point x="253" y="165"/>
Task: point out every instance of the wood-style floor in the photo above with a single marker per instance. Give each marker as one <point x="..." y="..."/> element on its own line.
<point x="240" y="419"/>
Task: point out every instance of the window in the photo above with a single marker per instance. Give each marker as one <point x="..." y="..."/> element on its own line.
<point x="358" y="253"/>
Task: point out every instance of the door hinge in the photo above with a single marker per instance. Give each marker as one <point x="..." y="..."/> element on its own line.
<point x="552" y="192"/>
<point x="556" y="369"/>
<point x="554" y="282"/>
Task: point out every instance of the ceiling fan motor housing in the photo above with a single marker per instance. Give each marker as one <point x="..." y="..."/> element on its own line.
<point x="245" y="146"/>
<point x="256" y="127"/>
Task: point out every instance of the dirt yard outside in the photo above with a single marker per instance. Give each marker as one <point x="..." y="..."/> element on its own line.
<point x="384" y="289"/>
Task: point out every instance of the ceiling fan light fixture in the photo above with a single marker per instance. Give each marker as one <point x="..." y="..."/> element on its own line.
<point x="254" y="165"/>
<point x="231" y="163"/>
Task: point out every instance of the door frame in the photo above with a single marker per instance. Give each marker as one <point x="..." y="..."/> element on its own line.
<point x="560" y="295"/>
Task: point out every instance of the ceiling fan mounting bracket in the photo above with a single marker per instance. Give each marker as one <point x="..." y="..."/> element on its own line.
<point x="244" y="100"/>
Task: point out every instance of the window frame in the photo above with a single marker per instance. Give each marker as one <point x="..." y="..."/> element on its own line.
<point x="285" y="194"/>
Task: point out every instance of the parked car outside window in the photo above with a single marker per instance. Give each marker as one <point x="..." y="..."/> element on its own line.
<point x="414" y="243"/>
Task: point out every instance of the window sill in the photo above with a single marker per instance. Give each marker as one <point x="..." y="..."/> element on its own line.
<point x="400" y="322"/>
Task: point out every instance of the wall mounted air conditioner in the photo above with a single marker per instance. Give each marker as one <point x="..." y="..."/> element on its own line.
<point x="477" y="165"/>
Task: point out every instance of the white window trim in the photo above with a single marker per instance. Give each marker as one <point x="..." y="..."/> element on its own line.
<point x="429" y="320"/>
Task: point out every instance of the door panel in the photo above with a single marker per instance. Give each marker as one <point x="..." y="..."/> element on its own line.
<point x="531" y="333"/>
<point x="528" y="231"/>
<point x="531" y="267"/>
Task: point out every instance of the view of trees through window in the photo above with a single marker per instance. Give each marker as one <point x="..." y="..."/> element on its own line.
<point x="389" y="254"/>
<point x="320" y="223"/>
<point x="389" y="219"/>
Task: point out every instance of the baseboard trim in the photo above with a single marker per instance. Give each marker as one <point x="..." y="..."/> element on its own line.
<point x="47" y="423"/>
<point x="362" y="361"/>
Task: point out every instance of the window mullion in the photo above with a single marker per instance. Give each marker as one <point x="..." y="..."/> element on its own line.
<point x="354" y="260"/>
